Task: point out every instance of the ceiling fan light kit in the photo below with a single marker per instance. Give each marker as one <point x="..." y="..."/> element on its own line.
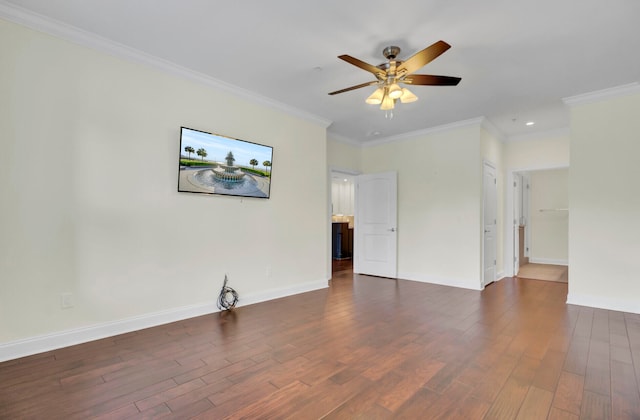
<point x="407" y="96"/>
<point x="376" y="97"/>
<point x="387" y="103"/>
<point x="391" y="74"/>
<point x="395" y="91"/>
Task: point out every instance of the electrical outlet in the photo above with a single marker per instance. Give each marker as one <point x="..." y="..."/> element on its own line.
<point x="66" y="300"/>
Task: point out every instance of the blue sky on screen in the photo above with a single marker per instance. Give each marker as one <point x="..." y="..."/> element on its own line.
<point x="218" y="146"/>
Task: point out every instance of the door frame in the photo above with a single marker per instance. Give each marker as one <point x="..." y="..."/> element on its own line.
<point x="490" y="164"/>
<point x="330" y="172"/>
<point x="509" y="249"/>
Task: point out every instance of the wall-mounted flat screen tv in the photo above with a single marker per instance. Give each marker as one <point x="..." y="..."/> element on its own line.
<point x="216" y="164"/>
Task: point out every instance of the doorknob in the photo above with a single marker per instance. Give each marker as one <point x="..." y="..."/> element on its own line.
<point x="487" y="231"/>
<point x="392" y="230"/>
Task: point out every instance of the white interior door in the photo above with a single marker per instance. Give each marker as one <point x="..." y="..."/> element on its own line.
<point x="375" y="242"/>
<point x="489" y="205"/>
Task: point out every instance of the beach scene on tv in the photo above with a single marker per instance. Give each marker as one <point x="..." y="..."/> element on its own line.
<point x="215" y="164"/>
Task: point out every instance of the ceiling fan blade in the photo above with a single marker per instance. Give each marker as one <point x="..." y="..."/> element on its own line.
<point x="419" y="59"/>
<point x="430" y="80"/>
<point x="354" y="87"/>
<point x="365" y="66"/>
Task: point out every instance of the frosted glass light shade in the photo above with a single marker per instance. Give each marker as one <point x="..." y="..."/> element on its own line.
<point x="376" y="97"/>
<point x="387" y="103"/>
<point x="394" y="91"/>
<point x="407" y="96"/>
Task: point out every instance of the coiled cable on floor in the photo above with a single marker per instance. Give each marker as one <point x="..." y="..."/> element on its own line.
<point x="228" y="297"/>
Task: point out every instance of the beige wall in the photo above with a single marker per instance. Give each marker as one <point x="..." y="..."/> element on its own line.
<point x="544" y="151"/>
<point x="88" y="179"/>
<point x="439" y="204"/>
<point x="604" y="201"/>
<point x="344" y="156"/>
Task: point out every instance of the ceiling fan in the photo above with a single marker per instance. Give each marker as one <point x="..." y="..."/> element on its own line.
<point x="394" y="72"/>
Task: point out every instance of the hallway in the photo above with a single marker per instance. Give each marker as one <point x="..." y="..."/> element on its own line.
<point x="548" y="272"/>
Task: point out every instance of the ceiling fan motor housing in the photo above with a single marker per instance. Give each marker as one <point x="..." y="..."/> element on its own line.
<point x="391" y="52"/>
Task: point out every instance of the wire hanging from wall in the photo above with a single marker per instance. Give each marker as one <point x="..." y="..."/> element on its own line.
<point x="228" y="297"/>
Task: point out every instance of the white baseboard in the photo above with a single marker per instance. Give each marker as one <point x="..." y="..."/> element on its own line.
<point x="461" y="283"/>
<point x="279" y="293"/>
<point x="548" y="261"/>
<point x="500" y="275"/>
<point x="34" y="345"/>
<point x="604" y="303"/>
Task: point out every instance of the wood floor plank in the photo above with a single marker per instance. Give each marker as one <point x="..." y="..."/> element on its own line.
<point x="321" y="399"/>
<point x="448" y="401"/>
<point x="509" y="400"/>
<point x="122" y="413"/>
<point x="277" y="405"/>
<point x="494" y="379"/>
<point x="536" y="404"/>
<point x="417" y="375"/>
<point x="548" y="372"/>
<point x="577" y="356"/>
<point x="418" y="406"/>
<point x="471" y="408"/>
<point x="625" y="398"/>
<point x="595" y="407"/>
<point x="557" y="414"/>
<point x="568" y="395"/>
<point x="228" y="401"/>
<point x="366" y="347"/>
<point x="598" y="373"/>
<point x="174" y="392"/>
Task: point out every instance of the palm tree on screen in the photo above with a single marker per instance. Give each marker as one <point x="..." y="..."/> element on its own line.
<point x="267" y="164"/>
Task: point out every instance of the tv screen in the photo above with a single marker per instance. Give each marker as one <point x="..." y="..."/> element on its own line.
<point x="216" y="164"/>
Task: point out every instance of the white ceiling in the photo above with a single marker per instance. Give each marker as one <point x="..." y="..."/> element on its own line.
<point x="517" y="59"/>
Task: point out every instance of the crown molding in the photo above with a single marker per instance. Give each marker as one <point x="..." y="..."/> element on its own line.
<point x="493" y="130"/>
<point x="88" y="39"/>
<point x="600" y="95"/>
<point x="427" y="131"/>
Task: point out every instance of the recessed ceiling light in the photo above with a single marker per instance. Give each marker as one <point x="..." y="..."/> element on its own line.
<point x="529" y="123"/>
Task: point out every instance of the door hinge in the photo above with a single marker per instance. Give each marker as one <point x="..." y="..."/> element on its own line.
<point x="495" y="181"/>
<point x="514" y="184"/>
<point x="495" y="262"/>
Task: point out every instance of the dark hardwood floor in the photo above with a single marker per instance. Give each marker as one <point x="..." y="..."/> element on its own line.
<point x="367" y="348"/>
<point x="341" y="265"/>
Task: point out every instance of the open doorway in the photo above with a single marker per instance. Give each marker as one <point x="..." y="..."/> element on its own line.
<point x="342" y="220"/>
<point x="541" y="224"/>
